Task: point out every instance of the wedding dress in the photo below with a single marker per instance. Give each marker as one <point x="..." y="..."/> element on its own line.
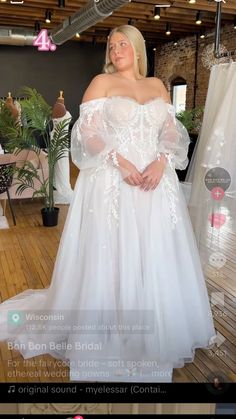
<point x="128" y="295"/>
<point x="63" y="193"/>
<point x="211" y="178"/>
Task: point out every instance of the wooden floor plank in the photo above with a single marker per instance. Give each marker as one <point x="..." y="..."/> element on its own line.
<point x="3" y="376"/>
<point x="7" y="363"/>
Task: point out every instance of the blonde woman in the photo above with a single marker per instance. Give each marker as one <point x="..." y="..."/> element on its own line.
<point x="127" y="279"/>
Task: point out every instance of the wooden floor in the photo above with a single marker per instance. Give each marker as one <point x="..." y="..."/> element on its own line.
<point x="27" y="255"/>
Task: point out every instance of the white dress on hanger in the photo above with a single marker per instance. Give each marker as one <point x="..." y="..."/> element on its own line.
<point x="63" y="193"/>
<point x="213" y="206"/>
<point x="127" y="279"/>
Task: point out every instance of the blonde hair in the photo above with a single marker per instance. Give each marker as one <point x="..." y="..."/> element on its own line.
<point x="138" y="44"/>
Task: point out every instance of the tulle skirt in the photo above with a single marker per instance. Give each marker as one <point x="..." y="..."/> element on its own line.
<point x="128" y="300"/>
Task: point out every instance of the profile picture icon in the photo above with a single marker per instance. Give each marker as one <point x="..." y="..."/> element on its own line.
<point x="218" y="383"/>
<point x="15" y="318"/>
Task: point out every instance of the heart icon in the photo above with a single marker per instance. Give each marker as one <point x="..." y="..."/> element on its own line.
<point x="217" y="220"/>
<point x="217" y="193"/>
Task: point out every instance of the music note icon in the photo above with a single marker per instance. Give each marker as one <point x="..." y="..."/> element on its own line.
<point x="12" y="389"/>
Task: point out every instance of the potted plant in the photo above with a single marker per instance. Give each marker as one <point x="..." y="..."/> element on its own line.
<point x="36" y="117"/>
<point x="191" y="119"/>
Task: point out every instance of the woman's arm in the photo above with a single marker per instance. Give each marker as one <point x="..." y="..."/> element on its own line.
<point x="97" y="88"/>
<point x="95" y="143"/>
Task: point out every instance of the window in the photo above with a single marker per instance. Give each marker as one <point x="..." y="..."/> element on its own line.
<point x="179" y="88"/>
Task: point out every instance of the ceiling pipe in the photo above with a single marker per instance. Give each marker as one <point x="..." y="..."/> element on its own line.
<point x="93" y="12"/>
<point x="16" y="36"/>
<point x="217" y="52"/>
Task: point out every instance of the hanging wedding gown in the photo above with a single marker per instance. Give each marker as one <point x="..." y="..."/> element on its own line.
<point x="63" y="193"/>
<point x="212" y="173"/>
<point x="128" y="294"/>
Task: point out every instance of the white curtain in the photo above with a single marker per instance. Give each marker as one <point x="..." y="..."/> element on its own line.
<point x="212" y="173"/>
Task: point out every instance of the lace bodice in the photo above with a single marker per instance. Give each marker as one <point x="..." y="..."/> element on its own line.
<point x="137" y="131"/>
<point x="134" y="127"/>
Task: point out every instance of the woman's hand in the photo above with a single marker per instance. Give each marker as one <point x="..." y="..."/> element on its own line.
<point x="128" y="170"/>
<point x="153" y="173"/>
<point x="130" y="173"/>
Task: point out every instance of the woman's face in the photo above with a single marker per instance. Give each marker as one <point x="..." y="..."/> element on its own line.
<point x="121" y="52"/>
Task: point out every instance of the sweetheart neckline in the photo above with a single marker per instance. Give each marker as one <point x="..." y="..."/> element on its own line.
<point x="127" y="98"/>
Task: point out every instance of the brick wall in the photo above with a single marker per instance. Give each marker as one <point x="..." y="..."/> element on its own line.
<point x="179" y="61"/>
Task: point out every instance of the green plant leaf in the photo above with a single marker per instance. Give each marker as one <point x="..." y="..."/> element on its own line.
<point x="191" y="119"/>
<point x="36" y="115"/>
<point x="37" y="112"/>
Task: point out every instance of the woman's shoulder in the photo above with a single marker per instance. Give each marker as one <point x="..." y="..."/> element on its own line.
<point x="155" y="81"/>
<point x="101" y="78"/>
<point x="97" y="88"/>
<point x="159" y="87"/>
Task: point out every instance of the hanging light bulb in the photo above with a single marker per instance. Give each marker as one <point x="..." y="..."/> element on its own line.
<point x="168" y="29"/>
<point x="37" y="26"/>
<point x="202" y="34"/>
<point x="198" y="18"/>
<point x="77" y="35"/>
<point x="48" y="16"/>
<point x="157" y="12"/>
<point x="61" y="3"/>
<point x="192" y="1"/>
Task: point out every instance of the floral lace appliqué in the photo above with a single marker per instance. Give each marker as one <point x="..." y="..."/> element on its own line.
<point x="171" y="187"/>
<point x="103" y="166"/>
<point x="112" y="192"/>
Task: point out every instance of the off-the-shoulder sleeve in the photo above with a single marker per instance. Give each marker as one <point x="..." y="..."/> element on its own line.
<point x="90" y="146"/>
<point x="174" y="140"/>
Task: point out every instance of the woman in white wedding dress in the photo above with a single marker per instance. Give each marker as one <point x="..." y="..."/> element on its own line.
<point x="128" y="295"/>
